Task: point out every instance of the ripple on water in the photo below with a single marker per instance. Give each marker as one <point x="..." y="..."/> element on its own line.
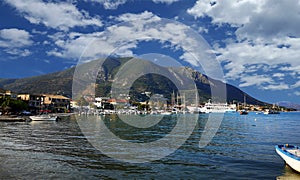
<point x="239" y="150"/>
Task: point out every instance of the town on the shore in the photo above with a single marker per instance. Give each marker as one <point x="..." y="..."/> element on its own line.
<point x="28" y="104"/>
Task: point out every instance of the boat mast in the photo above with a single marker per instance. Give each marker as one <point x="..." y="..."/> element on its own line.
<point x="173" y="99"/>
<point x="196" y="100"/>
<point x="244" y="102"/>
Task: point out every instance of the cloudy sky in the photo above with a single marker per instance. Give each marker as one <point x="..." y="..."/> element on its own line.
<point x="256" y="42"/>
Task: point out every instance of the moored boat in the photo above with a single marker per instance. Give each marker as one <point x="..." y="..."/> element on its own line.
<point x="290" y="154"/>
<point x="271" y="111"/>
<point x="166" y="113"/>
<point x="43" y="117"/>
<point x="243" y="112"/>
<point x="210" y="107"/>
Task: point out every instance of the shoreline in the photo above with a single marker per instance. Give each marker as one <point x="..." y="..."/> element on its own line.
<point x="13" y="118"/>
<point x="16" y="118"/>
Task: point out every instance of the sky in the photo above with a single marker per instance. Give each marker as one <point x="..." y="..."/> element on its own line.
<point x="255" y="42"/>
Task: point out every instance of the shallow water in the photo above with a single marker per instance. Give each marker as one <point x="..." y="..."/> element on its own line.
<point x="243" y="148"/>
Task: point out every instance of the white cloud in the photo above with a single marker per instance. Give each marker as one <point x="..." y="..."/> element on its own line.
<point x="280" y="76"/>
<point x="60" y="16"/>
<point x="122" y="38"/>
<point x="244" y="59"/>
<point x="129" y="17"/>
<point x="256" y="80"/>
<point x="297" y="93"/>
<point x="203" y="30"/>
<point x="114" y="4"/>
<point x="256" y="19"/>
<point x="271" y="22"/>
<point x="265" y="35"/>
<point x="296" y="85"/>
<point x="291" y="68"/>
<point x="14" y="40"/>
<point x="10" y="38"/>
<point x="34" y="31"/>
<point x="73" y="45"/>
<point x="18" y="52"/>
<point x="239" y="56"/>
<point x="109" y="4"/>
<point x="281" y="86"/>
<point x="235" y="12"/>
<point x="165" y="1"/>
<point x="262" y="82"/>
<point x="46" y="43"/>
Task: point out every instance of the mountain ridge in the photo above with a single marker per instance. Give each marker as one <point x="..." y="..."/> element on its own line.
<point x="61" y="82"/>
<point x="290" y="105"/>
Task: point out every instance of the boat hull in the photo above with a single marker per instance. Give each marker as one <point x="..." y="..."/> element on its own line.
<point x="43" y="118"/>
<point x="291" y="159"/>
<point x="210" y="107"/>
<point x="243" y="112"/>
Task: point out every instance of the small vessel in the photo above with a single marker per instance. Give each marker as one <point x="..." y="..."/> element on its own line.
<point x="290" y="154"/>
<point x="166" y="113"/>
<point x="43" y="117"/>
<point x="271" y="111"/>
<point x="193" y="109"/>
<point x="243" y="112"/>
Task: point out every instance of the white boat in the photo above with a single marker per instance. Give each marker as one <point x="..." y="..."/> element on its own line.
<point x="193" y="109"/>
<point x="243" y="112"/>
<point x="270" y="111"/>
<point x="43" y="117"/>
<point x="166" y="113"/>
<point x="210" y="107"/>
<point x="290" y="154"/>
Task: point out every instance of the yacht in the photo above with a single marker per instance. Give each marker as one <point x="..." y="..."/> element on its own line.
<point x="210" y="107"/>
<point x="43" y="117"/>
<point x="271" y="111"/>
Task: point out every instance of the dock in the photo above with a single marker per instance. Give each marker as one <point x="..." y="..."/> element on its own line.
<point x="12" y="119"/>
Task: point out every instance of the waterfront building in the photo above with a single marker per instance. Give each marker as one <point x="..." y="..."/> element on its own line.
<point x="34" y="101"/>
<point x="46" y="102"/>
<point x="57" y="103"/>
<point x="101" y="102"/>
<point x="8" y="94"/>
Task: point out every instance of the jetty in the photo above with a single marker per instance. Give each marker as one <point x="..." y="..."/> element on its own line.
<point x="13" y="119"/>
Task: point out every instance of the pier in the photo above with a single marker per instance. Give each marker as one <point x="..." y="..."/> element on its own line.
<point x="13" y="119"/>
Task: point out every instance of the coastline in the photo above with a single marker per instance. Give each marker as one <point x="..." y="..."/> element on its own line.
<point x="16" y="118"/>
<point x="13" y="118"/>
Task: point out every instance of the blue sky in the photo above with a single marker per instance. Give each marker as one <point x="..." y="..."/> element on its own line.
<point x="256" y="43"/>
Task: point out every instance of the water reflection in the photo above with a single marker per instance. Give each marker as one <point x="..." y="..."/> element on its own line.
<point x="289" y="174"/>
<point x="45" y="150"/>
<point x="137" y="145"/>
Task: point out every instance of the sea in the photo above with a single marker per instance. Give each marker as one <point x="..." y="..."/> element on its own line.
<point x="76" y="147"/>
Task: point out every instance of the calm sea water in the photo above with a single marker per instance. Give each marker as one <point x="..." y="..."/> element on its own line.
<point x="243" y="148"/>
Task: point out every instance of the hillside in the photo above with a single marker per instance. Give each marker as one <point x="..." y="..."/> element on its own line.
<point x="289" y="105"/>
<point x="61" y="82"/>
<point x="2" y="90"/>
<point x="55" y="83"/>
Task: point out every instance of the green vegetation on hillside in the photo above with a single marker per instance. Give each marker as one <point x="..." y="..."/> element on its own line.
<point x="9" y="105"/>
<point x="61" y="82"/>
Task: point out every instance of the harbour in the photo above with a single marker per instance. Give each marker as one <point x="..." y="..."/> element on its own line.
<point x="243" y="148"/>
<point x="13" y="119"/>
<point x="157" y="89"/>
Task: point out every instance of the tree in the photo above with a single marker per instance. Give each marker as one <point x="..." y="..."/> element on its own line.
<point x="82" y="102"/>
<point x="12" y="105"/>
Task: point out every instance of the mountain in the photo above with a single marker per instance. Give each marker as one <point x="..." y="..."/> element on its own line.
<point x="289" y="105"/>
<point x="2" y="90"/>
<point x="61" y="82"/>
<point x="54" y="83"/>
